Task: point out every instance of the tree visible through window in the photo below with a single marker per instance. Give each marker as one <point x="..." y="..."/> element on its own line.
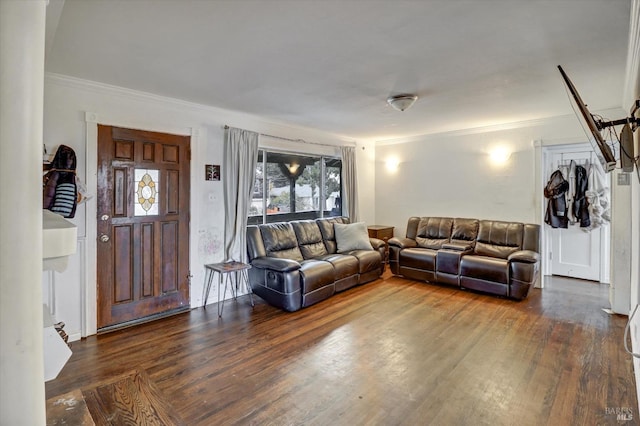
<point x="295" y="186"/>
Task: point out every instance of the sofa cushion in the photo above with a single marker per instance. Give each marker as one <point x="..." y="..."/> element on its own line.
<point x="419" y="258"/>
<point x="498" y="239"/>
<point x="309" y="238"/>
<point x="485" y="268"/>
<point x="353" y="236"/>
<point x="280" y="241"/>
<point x="465" y="231"/>
<point x="344" y="265"/>
<point x="315" y="274"/>
<point x="368" y="260"/>
<point x="328" y="233"/>
<point x="433" y="232"/>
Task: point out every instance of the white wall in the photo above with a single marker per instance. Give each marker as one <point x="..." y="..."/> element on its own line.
<point x="67" y="102"/>
<point x="452" y="174"/>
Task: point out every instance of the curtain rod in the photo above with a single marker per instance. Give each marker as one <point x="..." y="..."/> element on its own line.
<point x="226" y="127"/>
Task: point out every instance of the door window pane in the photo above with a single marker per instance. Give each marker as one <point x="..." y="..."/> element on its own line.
<point x="146" y="192"/>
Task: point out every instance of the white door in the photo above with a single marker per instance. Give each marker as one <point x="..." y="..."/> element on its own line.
<point x="574" y="252"/>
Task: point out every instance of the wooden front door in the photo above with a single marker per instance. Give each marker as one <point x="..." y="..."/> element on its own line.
<point x="143" y="224"/>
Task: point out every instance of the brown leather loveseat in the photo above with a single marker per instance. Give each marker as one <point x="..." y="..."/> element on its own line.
<point x="296" y="264"/>
<point x="501" y="258"/>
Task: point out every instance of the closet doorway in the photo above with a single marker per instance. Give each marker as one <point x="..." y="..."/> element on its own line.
<point x="576" y="251"/>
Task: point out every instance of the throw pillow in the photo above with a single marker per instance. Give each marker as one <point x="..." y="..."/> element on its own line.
<point x="352" y="236"/>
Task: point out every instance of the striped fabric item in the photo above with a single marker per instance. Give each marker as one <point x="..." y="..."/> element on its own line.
<point x="64" y="199"/>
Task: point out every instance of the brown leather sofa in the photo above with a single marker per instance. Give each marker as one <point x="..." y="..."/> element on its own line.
<point x="296" y="264"/>
<point x="501" y="258"/>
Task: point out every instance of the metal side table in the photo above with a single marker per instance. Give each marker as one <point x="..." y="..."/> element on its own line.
<point x="225" y="269"/>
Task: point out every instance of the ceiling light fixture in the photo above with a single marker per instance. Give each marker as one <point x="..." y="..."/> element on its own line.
<point x="401" y="102"/>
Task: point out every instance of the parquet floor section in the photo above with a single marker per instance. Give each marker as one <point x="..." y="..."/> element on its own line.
<point x="131" y="399"/>
<point x="392" y="352"/>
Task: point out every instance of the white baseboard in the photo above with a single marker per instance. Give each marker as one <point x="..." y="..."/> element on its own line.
<point x="75" y="337"/>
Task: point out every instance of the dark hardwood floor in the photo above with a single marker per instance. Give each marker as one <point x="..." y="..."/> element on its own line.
<point x="390" y="352"/>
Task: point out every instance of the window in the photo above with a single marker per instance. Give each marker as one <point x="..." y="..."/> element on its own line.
<point x="295" y="186"/>
<point x="146" y="190"/>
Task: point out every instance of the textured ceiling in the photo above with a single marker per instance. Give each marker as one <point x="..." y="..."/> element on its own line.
<point x="330" y="65"/>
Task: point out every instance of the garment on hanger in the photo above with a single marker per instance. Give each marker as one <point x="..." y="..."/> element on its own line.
<point x="597" y="194"/>
<point x="555" y="190"/>
<point x="567" y="170"/>
<point x="580" y="204"/>
<point x="59" y="190"/>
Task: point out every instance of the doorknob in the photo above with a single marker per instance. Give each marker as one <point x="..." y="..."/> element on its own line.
<point x="104" y="238"/>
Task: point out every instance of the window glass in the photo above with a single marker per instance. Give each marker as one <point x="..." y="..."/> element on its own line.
<point x="295" y="186"/>
<point x="333" y="187"/>
<point x="146" y="192"/>
<point x="257" y="202"/>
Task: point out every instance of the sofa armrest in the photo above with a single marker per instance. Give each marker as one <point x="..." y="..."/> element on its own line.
<point x="524" y="256"/>
<point x="456" y="246"/>
<point x="376" y="243"/>
<point x="275" y="264"/>
<point x="402" y="242"/>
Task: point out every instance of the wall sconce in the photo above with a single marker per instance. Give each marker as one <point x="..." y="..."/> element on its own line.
<point x="499" y="156"/>
<point x="392" y="164"/>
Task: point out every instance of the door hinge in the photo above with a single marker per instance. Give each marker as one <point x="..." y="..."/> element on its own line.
<point x="189" y="276"/>
<point x="550" y="255"/>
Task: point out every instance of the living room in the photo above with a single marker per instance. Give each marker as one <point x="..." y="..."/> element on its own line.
<point x="442" y="167"/>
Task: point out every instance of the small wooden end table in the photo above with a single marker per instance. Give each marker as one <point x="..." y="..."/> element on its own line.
<point x="381" y="232"/>
<point x="239" y="270"/>
<point x="384" y="233"/>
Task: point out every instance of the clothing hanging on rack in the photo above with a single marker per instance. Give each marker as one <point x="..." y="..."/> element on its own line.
<point x="555" y="190"/>
<point x="59" y="184"/>
<point x="597" y="194"/>
<point x="567" y="171"/>
<point x="580" y="203"/>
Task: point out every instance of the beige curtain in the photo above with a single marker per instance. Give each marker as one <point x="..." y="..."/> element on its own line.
<point x="349" y="183"/>
<point x="238" y="176"/>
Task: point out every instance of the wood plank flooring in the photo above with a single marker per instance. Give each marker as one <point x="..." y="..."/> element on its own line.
<point x="392" y="352"/>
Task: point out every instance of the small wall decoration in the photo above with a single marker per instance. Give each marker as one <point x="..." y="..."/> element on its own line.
<point x="211" y="172"/>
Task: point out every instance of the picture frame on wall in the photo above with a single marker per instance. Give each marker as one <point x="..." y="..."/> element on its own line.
<point x="212" y="172"/>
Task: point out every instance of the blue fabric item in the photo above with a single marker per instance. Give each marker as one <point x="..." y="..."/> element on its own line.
<point x="65" y="199"/>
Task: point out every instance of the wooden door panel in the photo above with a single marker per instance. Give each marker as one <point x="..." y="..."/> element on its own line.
<point x="143" y="252"/>
<point x="148" y="152"/>
<point x="120" y="191"/>
<point x="146" y="259"/>
<point x="170" y="154"/>
<point x="122" y="264"/>
<point x="169" y="256"/>
<point x="123" y="149"/>
<point x="172" y="184"/>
